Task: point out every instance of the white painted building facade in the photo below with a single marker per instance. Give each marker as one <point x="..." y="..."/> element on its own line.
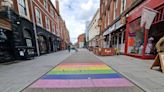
<point x="93" y="29"/>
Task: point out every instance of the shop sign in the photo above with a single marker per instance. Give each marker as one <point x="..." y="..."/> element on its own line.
<point x="159" y="61"/>
<point x="118" y="24"/>
<point x="132" y="34"/>
<point x="112" y="28"/>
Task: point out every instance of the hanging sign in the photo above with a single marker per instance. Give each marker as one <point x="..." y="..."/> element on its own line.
<point x="147" y="17"/>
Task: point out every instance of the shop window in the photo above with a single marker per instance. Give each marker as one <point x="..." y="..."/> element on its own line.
<point x="27" y="37"/>
<point x="3" y="37"/>
<point x="136" y="37"/>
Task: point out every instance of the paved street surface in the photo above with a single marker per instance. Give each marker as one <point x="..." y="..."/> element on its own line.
<point x="82" y="72"/>
<point x="14" y="77"/>
<point x="138" y="71"/>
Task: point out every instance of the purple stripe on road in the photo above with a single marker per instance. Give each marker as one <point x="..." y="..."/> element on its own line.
<point x="118" y="82"/>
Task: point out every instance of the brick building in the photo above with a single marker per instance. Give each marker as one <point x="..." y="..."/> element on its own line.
<point x="119" y="20"/>
<point x="81" y="40"/>
<point x="112" y="22"/>
<point x="29" y="27"/>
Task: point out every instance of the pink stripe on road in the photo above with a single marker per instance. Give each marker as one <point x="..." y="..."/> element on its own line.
<point x="79" y="64"/>
<point x="119" y="82"/>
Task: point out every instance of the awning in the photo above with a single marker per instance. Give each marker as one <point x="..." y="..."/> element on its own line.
<point x="111" y="29"/>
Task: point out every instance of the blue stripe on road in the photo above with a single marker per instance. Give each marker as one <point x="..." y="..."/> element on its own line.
<point x="83" y="76"/>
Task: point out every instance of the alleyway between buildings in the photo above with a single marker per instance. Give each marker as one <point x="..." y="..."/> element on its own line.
<point x="82" y="72"/>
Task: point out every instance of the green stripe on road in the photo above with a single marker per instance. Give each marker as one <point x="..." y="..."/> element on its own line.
<point x="82" y="72"/>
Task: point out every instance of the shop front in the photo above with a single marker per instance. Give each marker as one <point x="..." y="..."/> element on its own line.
<point x="6" y="51"/>
<point x="141" y="42"/>
<point x="115" y="36"/>
<point x="47" y="41"/>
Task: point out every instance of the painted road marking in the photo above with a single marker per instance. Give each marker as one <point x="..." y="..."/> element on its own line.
<point x="76" y="75"/>
<point x="82" y="76"/>
<point x="118" y="82"/>
<point x="81" y="72"/>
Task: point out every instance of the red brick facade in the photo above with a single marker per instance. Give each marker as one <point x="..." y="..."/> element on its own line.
<point x="81" y="38"/>
<point x="55" y="18"/>
<point x="107" y="12"/>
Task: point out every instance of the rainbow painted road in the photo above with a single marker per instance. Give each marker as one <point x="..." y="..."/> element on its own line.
<point x="74" y="75"/>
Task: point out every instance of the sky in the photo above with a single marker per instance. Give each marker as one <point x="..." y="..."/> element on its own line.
<point x="76" y="13"/>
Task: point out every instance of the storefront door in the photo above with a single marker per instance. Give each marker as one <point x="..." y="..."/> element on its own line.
<point x="42" y="44"/>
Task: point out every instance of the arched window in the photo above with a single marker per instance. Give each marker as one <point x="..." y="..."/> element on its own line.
<point x="28" y="38"/>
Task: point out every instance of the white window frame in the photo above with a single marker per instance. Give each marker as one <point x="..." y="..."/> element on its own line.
<point x="123" y="6"/>
<point x="45" y="3"/>
<point x="47" y="23"/>
<point x="37" y="10"/>
<point x="27" y="10"/>
<point x="52" y="11"/>
<point x="53" y="27"/>
<point x="115" y="8"/>
<point x="108" y="14"/>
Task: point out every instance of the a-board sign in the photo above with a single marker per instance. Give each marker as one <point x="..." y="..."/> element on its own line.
<point x="161" y="57"/>
<point x="159" y="61"/>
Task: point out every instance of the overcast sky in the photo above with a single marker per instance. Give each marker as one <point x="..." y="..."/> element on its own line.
<point x="76" y="13"/>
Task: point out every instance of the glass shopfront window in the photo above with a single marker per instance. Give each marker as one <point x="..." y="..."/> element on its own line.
<point x="136" y="38"/>
<point x="28" y="38"/>
<point x="3" y="37"/>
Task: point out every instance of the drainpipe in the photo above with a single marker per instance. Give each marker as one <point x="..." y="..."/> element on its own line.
<point x="34" y="28"/>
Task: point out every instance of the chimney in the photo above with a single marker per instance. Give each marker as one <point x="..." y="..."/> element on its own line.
<point x="57" y="6"/>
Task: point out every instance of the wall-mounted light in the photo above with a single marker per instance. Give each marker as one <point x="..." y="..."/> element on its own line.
<point x="18" y="23"/>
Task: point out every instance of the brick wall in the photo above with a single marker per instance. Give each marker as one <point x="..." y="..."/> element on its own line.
<point x="108" y="14"/>
<point x="81" y="38"/>
<point x="44" y="12"/>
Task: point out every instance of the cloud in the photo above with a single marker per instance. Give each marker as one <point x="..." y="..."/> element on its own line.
<point x="76" y="13"/>
<point x="87" y="6"/>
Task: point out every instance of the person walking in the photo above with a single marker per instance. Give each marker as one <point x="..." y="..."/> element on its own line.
<point x="69" y="48"/>
<point x="160" y="45"/>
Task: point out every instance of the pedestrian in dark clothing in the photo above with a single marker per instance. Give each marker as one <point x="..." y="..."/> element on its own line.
<point x="69" y="48"/>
